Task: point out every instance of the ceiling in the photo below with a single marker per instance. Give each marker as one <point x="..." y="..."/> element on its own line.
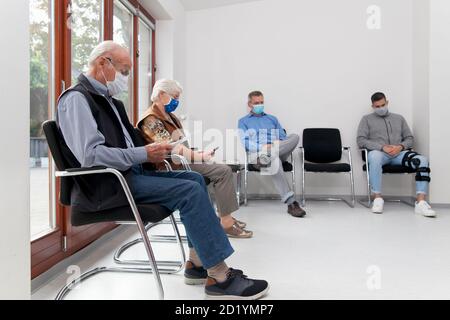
<point x="206" y="4"/>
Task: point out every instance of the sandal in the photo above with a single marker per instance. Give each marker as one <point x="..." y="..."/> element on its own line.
<point x="240" y="224"/>
<point x="236" y="232"/>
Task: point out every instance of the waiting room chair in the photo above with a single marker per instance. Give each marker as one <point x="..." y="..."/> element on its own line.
<point x="134" y="214"/>
<point x="322" y="149"/>
<point x="387" y="170"/>
<point x="288" y="167"/>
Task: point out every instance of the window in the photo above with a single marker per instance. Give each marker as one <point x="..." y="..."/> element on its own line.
<point x="62" y="36"/>
<point x="145" y="66"/>
<point x="41" y="109"/>
<point x="123" y="34"/>
<point x="87" y="32"/>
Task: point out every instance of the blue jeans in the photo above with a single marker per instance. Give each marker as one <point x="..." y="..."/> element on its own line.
<point x="377" y="159"/>
<point x="186" y="192"/>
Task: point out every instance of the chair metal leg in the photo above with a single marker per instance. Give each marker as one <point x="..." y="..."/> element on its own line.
<point x="246" y="187"/>
<point x="178" y="265"/>
<point x="352" y="183"/>
<point x="70" y="286"/>
<point x="153" y="269"/>
<point x="238" y="186"/>
<point x="303" y="188"/>
<point x="294" y="183"/>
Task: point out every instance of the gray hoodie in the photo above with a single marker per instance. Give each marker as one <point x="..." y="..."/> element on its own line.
<point x="375" y="131"/>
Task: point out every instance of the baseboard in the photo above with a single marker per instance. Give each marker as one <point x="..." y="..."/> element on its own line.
<point x="271" y="196"/>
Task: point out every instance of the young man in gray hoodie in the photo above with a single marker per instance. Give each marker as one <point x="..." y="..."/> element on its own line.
<point x="388" y="139"/>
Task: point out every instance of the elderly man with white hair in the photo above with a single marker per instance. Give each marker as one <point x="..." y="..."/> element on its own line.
<point x="160" y="124"/>
<point x="96" y="129"/>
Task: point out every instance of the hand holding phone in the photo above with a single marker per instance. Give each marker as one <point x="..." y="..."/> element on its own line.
<point x="214" y="150"/>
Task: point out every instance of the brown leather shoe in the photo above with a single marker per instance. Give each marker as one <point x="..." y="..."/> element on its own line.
<point x="235" y="232"/>
<point x="295" y="210"/>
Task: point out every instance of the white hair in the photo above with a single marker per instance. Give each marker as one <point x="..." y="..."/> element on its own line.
<point x="171" y="87"/>
<point x="102" y="49"/>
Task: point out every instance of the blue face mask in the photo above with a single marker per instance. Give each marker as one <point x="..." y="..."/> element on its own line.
<point x="258" y="109"/>
<point x="172" y="106"/>
<point x="382" y="112"/>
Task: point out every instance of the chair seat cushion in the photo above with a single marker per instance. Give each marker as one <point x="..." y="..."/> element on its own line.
<point x="149" y="213"/>
<point x="236" y="167"/>
<point x="394" y="169"/>
<point x="327" y="167"/>
<point x="287" y="167"/>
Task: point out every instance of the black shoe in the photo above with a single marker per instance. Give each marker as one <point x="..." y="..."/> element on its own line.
<point x="295" y="210"/>
<point x="236" y="287"/>
<point x="194" y="275"/>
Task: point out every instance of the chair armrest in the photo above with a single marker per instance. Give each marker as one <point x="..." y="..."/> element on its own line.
<point x="183" y="161"/>
<point x="346" y="148"/>
<point x="168" y="166"/>
<point x="365" y="155"/>
<point x="86" y="169"/>
<point x="119" y="176"/>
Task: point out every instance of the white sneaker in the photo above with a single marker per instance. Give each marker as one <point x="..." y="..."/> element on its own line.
<point x="378" y="205"/>
<point x="424" y="209"/>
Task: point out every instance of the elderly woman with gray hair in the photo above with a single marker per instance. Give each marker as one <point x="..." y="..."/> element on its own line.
<point x="159" y="124"/>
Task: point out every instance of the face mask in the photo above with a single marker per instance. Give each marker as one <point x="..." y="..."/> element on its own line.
<point x="172" y="106"/>
<point x="382" y="111"/>
<point x="258" y="108"/>
<point x="119" y="85"/>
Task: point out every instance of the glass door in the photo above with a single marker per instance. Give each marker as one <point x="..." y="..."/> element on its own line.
<point x="145" y="38"/>
<point x="41" y="109"/>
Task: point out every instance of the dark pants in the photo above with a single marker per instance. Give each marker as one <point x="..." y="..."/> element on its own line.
<point x="186" y="192"/>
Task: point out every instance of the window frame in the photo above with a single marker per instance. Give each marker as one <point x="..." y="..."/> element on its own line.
<point x="65" y="240"/>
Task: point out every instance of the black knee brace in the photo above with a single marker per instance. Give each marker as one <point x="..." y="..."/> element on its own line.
<point x="411" y="161"/>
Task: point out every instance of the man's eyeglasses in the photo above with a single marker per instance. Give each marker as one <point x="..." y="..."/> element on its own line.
<point x="125" y="73"/>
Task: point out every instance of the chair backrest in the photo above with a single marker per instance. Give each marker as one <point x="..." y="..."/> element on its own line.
<point x="55" y="143"/>
<point x="322" y="145"/>
<point x="62" y="156"/>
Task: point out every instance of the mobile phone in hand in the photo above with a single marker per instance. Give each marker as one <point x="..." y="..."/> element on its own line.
<point x="215" y="149"/>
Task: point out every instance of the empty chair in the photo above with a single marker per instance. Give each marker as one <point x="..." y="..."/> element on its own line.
<point x="322" y="150"/>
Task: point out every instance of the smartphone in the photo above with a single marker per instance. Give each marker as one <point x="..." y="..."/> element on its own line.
<point x="215" y="149"/>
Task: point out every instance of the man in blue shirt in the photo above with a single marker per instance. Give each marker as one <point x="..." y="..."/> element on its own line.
<point x="268" y="146"/>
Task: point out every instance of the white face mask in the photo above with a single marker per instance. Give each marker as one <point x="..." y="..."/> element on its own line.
<point x="119" y="85"/>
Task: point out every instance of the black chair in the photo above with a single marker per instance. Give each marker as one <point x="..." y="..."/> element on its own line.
<point x="288" y="167"/>
<point x="322" y="149"/>
<point x="388" y="170"/>
<point x="134" y="214"/>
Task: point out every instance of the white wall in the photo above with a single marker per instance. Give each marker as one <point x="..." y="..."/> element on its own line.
<point x="170" y="41"/>
<point x="421" y="75"/>
<point x="316" y="61"/>
<point x="440" y="99"/>
<point x="14" y="136"/>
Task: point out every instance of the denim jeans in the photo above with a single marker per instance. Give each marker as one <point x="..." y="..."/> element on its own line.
<point x="377" y="159"/>
<point x="186" y="192"/>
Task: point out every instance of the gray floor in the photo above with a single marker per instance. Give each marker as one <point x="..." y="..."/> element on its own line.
<point x="335" y="253"/>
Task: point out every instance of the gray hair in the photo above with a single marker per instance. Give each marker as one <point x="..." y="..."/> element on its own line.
<point x="102" y="49"/>
<point x="171" y="87"/>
